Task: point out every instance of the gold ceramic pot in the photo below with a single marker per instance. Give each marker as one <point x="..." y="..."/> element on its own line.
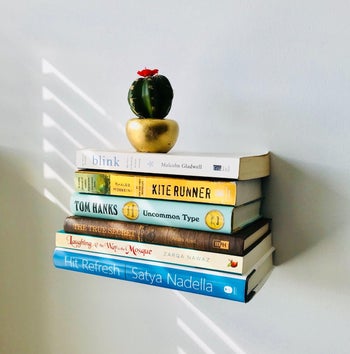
<point x="152" y="135"/>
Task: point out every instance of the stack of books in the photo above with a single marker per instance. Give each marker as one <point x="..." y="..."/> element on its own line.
<point x="189" y="222"/>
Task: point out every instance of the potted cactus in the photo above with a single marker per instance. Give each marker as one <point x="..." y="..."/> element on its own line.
<point x="150" y="98"/>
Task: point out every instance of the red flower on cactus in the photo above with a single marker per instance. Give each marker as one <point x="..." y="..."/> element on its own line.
<point x="147" y="72"/>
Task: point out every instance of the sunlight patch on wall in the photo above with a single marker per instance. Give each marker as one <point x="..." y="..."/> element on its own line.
<point x="48" y="68"/>
<point x="49" y="122"/>
<point x="53" y="199"/>
<point x="49" y="148"/>
<point x="48" y="95"/>
<point x="222" y="336"/>
<point x="70" y="120"/>
<point x="201" y="344"/>
<point x="49" y="173"/>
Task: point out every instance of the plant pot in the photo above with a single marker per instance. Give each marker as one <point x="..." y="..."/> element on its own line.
<point x="152" y="135"/>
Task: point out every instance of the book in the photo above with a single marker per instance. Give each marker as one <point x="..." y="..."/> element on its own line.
<point x="197" y="190"/>
<point x="220" y="165"/>
<point x="205" y="282"/>
<point x="166" y="254"/>
<point x="237" y="243"/>
<point x="195" y="216"/>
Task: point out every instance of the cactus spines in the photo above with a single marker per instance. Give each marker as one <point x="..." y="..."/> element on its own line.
<point x="151" y="95"/>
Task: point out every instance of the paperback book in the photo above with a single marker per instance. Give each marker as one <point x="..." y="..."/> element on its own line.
<point x="197" y="190"/>
<point x="205" y="282"/>
<point x="232" y="166"/>
<point x="195" y="216"/>
<point x="166" y="254"/>
<point x="238" y="243"/>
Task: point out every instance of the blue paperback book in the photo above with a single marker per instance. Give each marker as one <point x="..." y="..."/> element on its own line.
<point x="187" y="215"/>
<point x="204" y="282"/>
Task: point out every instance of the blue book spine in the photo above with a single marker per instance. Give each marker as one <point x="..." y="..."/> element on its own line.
<point x="194" y="216"/>
<point x="209" y="283"/>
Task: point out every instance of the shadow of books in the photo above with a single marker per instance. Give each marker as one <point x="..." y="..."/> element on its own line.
<point x="299" y="198"/>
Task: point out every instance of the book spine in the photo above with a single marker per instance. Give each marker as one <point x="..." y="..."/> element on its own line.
<point x="168" y="164"/>
<point x="195" y="216"/>
<point x="162" y="253"/>
<point x="162" y="235"/>
<point x="167" y="188"/>
<point x="209" y="283"/>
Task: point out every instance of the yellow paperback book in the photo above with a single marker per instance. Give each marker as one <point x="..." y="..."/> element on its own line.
<point x="224" y="192"/>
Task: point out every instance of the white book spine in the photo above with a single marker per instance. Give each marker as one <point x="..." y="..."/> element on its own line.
<point x="168" y="164"/>
<point x="167" y="254"/>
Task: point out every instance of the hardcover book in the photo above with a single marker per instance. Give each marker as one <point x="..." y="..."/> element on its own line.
<point x="237" y="243"/>
<point x="195" y="216"/>
<point x="166" y="254"/>
<point x="205" y="282"/>
<point x="224" y="165"/>
<point x="226" y="192"/>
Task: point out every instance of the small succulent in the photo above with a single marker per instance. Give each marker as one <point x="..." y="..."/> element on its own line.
<point x="151" y="95"/>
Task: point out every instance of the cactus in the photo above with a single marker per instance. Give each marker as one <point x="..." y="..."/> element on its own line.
<point x="151" y="95"/>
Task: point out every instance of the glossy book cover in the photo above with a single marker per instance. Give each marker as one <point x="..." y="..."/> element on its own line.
<point x="204" y="282"/>
<point x="196" y="216"/>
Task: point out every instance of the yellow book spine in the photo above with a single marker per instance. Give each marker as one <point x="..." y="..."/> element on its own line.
<point x="156" y="187"/>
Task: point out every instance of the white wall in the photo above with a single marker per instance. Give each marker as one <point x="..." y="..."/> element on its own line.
<point x="246" y="75"/>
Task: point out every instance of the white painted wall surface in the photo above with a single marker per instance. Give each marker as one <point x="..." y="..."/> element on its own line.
<point x="246" y="75"/>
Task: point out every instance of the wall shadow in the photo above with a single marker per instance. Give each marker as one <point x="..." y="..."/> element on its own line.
<point x="298" y="198"/>
<point x="28" y="221"/>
